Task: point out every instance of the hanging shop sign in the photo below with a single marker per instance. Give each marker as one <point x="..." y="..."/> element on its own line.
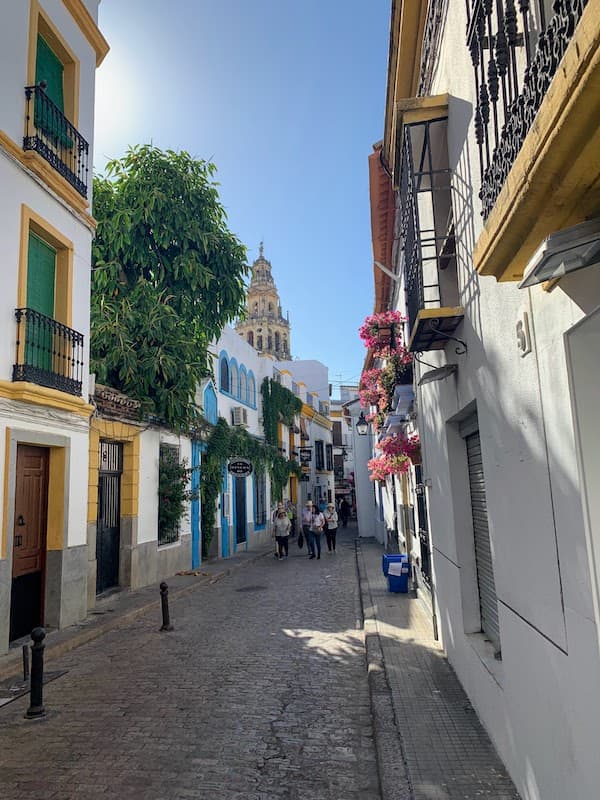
<point x="305" y="478"/>
<point x="240" y="467"/>
<point x="305" y="469"/>
<point x="305" y="455"/>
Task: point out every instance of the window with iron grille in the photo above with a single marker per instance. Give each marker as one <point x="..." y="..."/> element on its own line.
<point x="260" y="499"/>
<point x="319" y="454"/>
<point x="329" y="456"/>
<point x="171" y="482"/>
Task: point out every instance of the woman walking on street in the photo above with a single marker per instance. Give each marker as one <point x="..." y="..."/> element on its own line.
<point x="344" y="511"/>
<point x="282" y="527"/>
<point x="307" y="515"/>
<point x="316" y="529"/>
<point x="331" y="524"/>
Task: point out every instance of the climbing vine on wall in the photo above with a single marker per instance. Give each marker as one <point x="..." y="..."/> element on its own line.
<point x="227" y="442"/>
<point x="278" y="405"/>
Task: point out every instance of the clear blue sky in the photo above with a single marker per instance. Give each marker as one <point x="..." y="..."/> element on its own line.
<point x="287" y="98"/>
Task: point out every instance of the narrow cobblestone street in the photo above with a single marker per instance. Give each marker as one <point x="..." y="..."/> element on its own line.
<point x="259" y="693"/>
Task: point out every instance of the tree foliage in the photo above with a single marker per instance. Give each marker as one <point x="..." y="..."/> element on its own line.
<point x="167" y="276"/>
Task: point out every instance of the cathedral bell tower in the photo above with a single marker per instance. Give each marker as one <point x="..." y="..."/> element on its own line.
<point x="265" y="328"/>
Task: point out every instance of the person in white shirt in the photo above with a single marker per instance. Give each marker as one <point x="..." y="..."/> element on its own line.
<point x="316" y="529"/>
<point x="282" y="527"/>
<point x="331" y="525"/>
<point x="307" y="515"/>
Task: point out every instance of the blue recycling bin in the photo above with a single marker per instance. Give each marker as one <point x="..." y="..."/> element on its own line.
<point x="398" y="573"/>
<point x="390" y="558"/>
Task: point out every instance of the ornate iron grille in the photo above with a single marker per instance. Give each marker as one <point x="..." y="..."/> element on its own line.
<point x="50" y="134"/>
<point x="511" y="79"/>
<point x="48" y="352"/>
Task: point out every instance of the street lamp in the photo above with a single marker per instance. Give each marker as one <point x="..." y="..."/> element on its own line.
<point x="362" y="426"/>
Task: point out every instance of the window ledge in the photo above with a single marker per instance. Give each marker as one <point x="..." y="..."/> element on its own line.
<point x="485" y="650"/>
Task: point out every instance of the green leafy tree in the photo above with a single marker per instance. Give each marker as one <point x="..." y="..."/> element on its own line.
<point x="167" y="276"/>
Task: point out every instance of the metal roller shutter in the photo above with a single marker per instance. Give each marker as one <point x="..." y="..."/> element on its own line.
<point x="483" y="552"/>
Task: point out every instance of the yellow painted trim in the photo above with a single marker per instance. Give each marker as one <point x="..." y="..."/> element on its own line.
<point x="554" y="180"/>
<point x="24" y="392"/>
<point x="438" y="313"/>
<point x="406" y="39"/>
<point x="55" y="182"/>
<point x="63" y="290"/>
<point x="7" y="435"/>
<point x="89" y="28"/>
<point x="40" y="23"/>
<point x="422" y="109"/>
<point x="129" y="435"/>
<point x="310" y="413"/>
<point x="55" y="534"/>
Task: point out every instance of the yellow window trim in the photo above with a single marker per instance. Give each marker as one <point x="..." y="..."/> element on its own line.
<point x="40" y="23"/>
<point x="25" y="392"/>
<point x="5" y="503"/>
<point x="552" y="183"/>
<point x="88" y="27"/>
<point x="55" y="182"/>
<point x="63" y="303"/>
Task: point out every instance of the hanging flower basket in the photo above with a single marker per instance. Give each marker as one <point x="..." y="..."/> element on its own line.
<point x="385" y="465"/>
<point x="382" y="333"/>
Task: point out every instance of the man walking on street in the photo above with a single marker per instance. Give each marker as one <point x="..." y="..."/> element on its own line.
<point x="307" y="515"/>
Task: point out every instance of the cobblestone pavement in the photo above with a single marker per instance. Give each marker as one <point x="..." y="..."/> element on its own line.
<point x="259" y="693"/>
<point x="447" y="753"/>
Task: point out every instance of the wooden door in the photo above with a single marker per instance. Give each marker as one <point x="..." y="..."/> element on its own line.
<point x="29" y="540"/>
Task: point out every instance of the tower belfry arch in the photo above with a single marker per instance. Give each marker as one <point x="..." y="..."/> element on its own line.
<point x="265" y="327"/>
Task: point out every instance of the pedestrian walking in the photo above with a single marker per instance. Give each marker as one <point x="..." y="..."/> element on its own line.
<point x="331" y="525"/>
<point x="291" y="512"/>
<point x="282" y="526"/>
<point x="274" y="514"/>
<point x="316" y="529"/>
<point x="344" y="512"/>
<point x="307" y="515"/>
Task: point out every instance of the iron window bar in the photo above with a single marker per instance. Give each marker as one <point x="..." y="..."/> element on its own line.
<point x="49" y="133"/>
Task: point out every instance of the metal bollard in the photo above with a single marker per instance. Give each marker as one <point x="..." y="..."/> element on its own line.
<point x="164" y="600"/>
<point x="25" y="662"/>
<point x="36" y="708"/>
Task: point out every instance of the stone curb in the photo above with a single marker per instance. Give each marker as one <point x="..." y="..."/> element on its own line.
<point x="68" y="639"/>
<point x="391" y="763"/>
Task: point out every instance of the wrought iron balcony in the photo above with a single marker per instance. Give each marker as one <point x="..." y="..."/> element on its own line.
<point x="427" y="234"/>
<point x="49" y="133"/>
<point x="48" y="352"/>
<point x="512" y="76"/>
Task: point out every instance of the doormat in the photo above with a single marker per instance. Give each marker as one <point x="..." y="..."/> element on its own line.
<point x="12" y="688"/>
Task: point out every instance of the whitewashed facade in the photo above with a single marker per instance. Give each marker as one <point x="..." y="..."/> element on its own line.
<point x="507" y="423"/>
<point x="49" y="51"/>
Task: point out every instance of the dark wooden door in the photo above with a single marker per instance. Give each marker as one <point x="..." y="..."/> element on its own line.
<point x="108" y="529"/>
<point x="29" y="540"/>
<point x="240" y="510"/>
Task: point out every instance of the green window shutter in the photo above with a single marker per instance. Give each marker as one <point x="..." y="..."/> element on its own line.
<point x="41" y="274"/>
<point x="49" y="68"/>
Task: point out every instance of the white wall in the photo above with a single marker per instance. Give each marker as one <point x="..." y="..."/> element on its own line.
<point x="541" y="702"/>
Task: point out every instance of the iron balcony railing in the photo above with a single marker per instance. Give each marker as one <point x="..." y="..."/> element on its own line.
<point x="514" y="66"/>
<point x="50" y="134"/>
<point x="425" y="219"/>
<point x="48" y="352"/>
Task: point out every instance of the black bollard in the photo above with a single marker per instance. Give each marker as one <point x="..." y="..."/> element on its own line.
<point x="36" y="708"/>
<point x="25" y="662"/>
<point x="164" y="600"/>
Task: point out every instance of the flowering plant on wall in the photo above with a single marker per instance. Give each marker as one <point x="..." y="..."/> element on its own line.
<point x="384" y="465"/>
<point x="369" y="388"/>
<point x="397" y="453"/>
<point x="372" y="333"/>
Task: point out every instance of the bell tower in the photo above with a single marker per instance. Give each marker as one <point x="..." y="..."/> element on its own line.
<point x="265" y="328"/>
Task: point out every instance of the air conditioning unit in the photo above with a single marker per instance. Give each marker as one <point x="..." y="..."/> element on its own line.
<point x="240" y="416"/>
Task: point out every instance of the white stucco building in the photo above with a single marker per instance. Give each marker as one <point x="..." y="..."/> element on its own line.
<point x="49" y="51"/>
<point x="483" y="163"/>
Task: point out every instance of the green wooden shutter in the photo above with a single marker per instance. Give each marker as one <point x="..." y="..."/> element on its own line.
<point x="41" y="274"/>
<point x="49" y="68"/>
